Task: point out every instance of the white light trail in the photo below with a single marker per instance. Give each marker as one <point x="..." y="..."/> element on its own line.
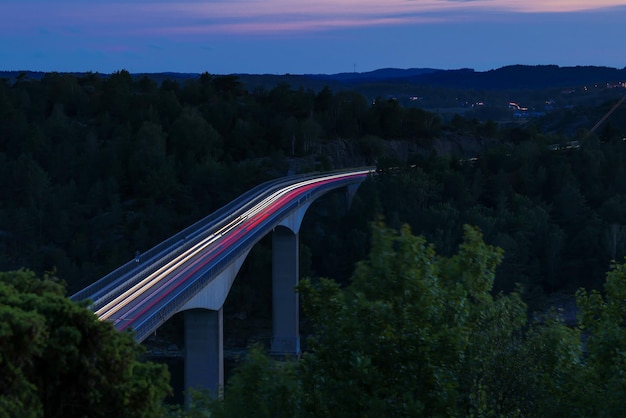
<point x="157" y="278"/>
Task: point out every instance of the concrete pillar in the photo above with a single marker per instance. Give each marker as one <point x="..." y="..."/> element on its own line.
<point x="204" y="351"/>
<point x="285" y="307"/>
<point x="351" y="190"/>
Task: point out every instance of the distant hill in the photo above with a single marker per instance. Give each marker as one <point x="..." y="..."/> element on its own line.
<point x="383" y="74"/>
<point x="514" y="77"/>
<point x="518" y="77"/>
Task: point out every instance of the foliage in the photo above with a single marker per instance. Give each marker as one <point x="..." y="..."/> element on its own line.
<point x="58" y="360"/>
<point x="260" y="387"/>
<point x="419" y="334"/>
<point x="602" y="322"/>
<point x="121" y="162"/>
<point x="270" y="389"/>
<point x="396" y="341"/>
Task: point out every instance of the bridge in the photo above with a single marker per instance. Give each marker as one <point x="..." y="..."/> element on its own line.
<point x="193" y="271"/>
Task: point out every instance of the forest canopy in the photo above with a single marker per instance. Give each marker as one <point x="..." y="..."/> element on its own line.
<point x="94" y="168"/>
<point x="418" y="334"/>
<point x="121" y="162"/>
<point x="58" y="360"/>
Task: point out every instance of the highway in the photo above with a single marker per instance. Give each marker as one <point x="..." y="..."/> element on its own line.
<point x="151" y="291"/>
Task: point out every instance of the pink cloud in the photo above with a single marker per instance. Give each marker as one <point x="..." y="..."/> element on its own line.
<point x="290" y="25"/>
<point x="561" y="6"/>
<point x="262" y="16"/>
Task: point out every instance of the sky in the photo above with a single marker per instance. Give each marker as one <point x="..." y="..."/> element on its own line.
<point x="307" y="36"/>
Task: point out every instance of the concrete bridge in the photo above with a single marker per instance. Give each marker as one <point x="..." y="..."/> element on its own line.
<point x="193" y="271"/>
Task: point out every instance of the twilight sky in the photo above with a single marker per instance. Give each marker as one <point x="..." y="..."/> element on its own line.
<point x="307" y="36"/>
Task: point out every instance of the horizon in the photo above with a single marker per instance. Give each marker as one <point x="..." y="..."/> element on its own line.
<point x="319" y="74"/>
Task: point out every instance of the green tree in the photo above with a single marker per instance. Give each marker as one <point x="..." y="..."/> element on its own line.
<point x="417" y="334"/>
<point x="151" y="173"/>
<point x="58" y="360"/>
<point x="372" y="148"/>
<point x="193" y="140"/>
<point x="269" y="388"/>
<point x="602" y="322"/>
<point x="386" y="118"/>
<point x="394" y="343"/>
<point x="118" y="95"/>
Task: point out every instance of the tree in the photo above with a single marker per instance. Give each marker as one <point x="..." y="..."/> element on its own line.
<point x="118" y="95"/>
<point x="385" y="118"/>
<point x="151" y="173"/>
<point x="602" y="321"/>
<point x="417" y="334"/>
<point x="372" y="148"/>
<point x="58" y="360"/>
<point x="193" y="140"/>
<point x="398" y="340"/>
<point x="269" y="388"/>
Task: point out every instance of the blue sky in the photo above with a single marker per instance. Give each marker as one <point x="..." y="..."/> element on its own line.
<point x="303" y="37"/>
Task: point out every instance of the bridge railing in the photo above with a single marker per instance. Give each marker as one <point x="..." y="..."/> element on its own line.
<point x="163" y="252"/>
<point x="188" y="291"/>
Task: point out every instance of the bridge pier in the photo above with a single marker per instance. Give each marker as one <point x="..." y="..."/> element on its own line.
<point x="351" y="190"/>
<point x="285" y="306"/>
<point x="202" y="302"/>
<point x="204" y="332"/>
<point x="204" y="351"/>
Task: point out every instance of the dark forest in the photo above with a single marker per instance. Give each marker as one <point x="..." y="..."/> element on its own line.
<point x="96" y="167"/>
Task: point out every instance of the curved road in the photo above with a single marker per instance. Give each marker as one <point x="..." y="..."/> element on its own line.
<point x="134" y="301"/>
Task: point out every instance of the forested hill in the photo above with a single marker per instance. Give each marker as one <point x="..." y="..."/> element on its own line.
<point x="94" y="168"/>
<point x="514" y="77"/>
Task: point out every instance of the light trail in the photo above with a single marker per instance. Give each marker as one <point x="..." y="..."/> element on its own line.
<point x="132" y="293"/>
<point x="151" y="286"/>
<point x="138" y="289"/>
